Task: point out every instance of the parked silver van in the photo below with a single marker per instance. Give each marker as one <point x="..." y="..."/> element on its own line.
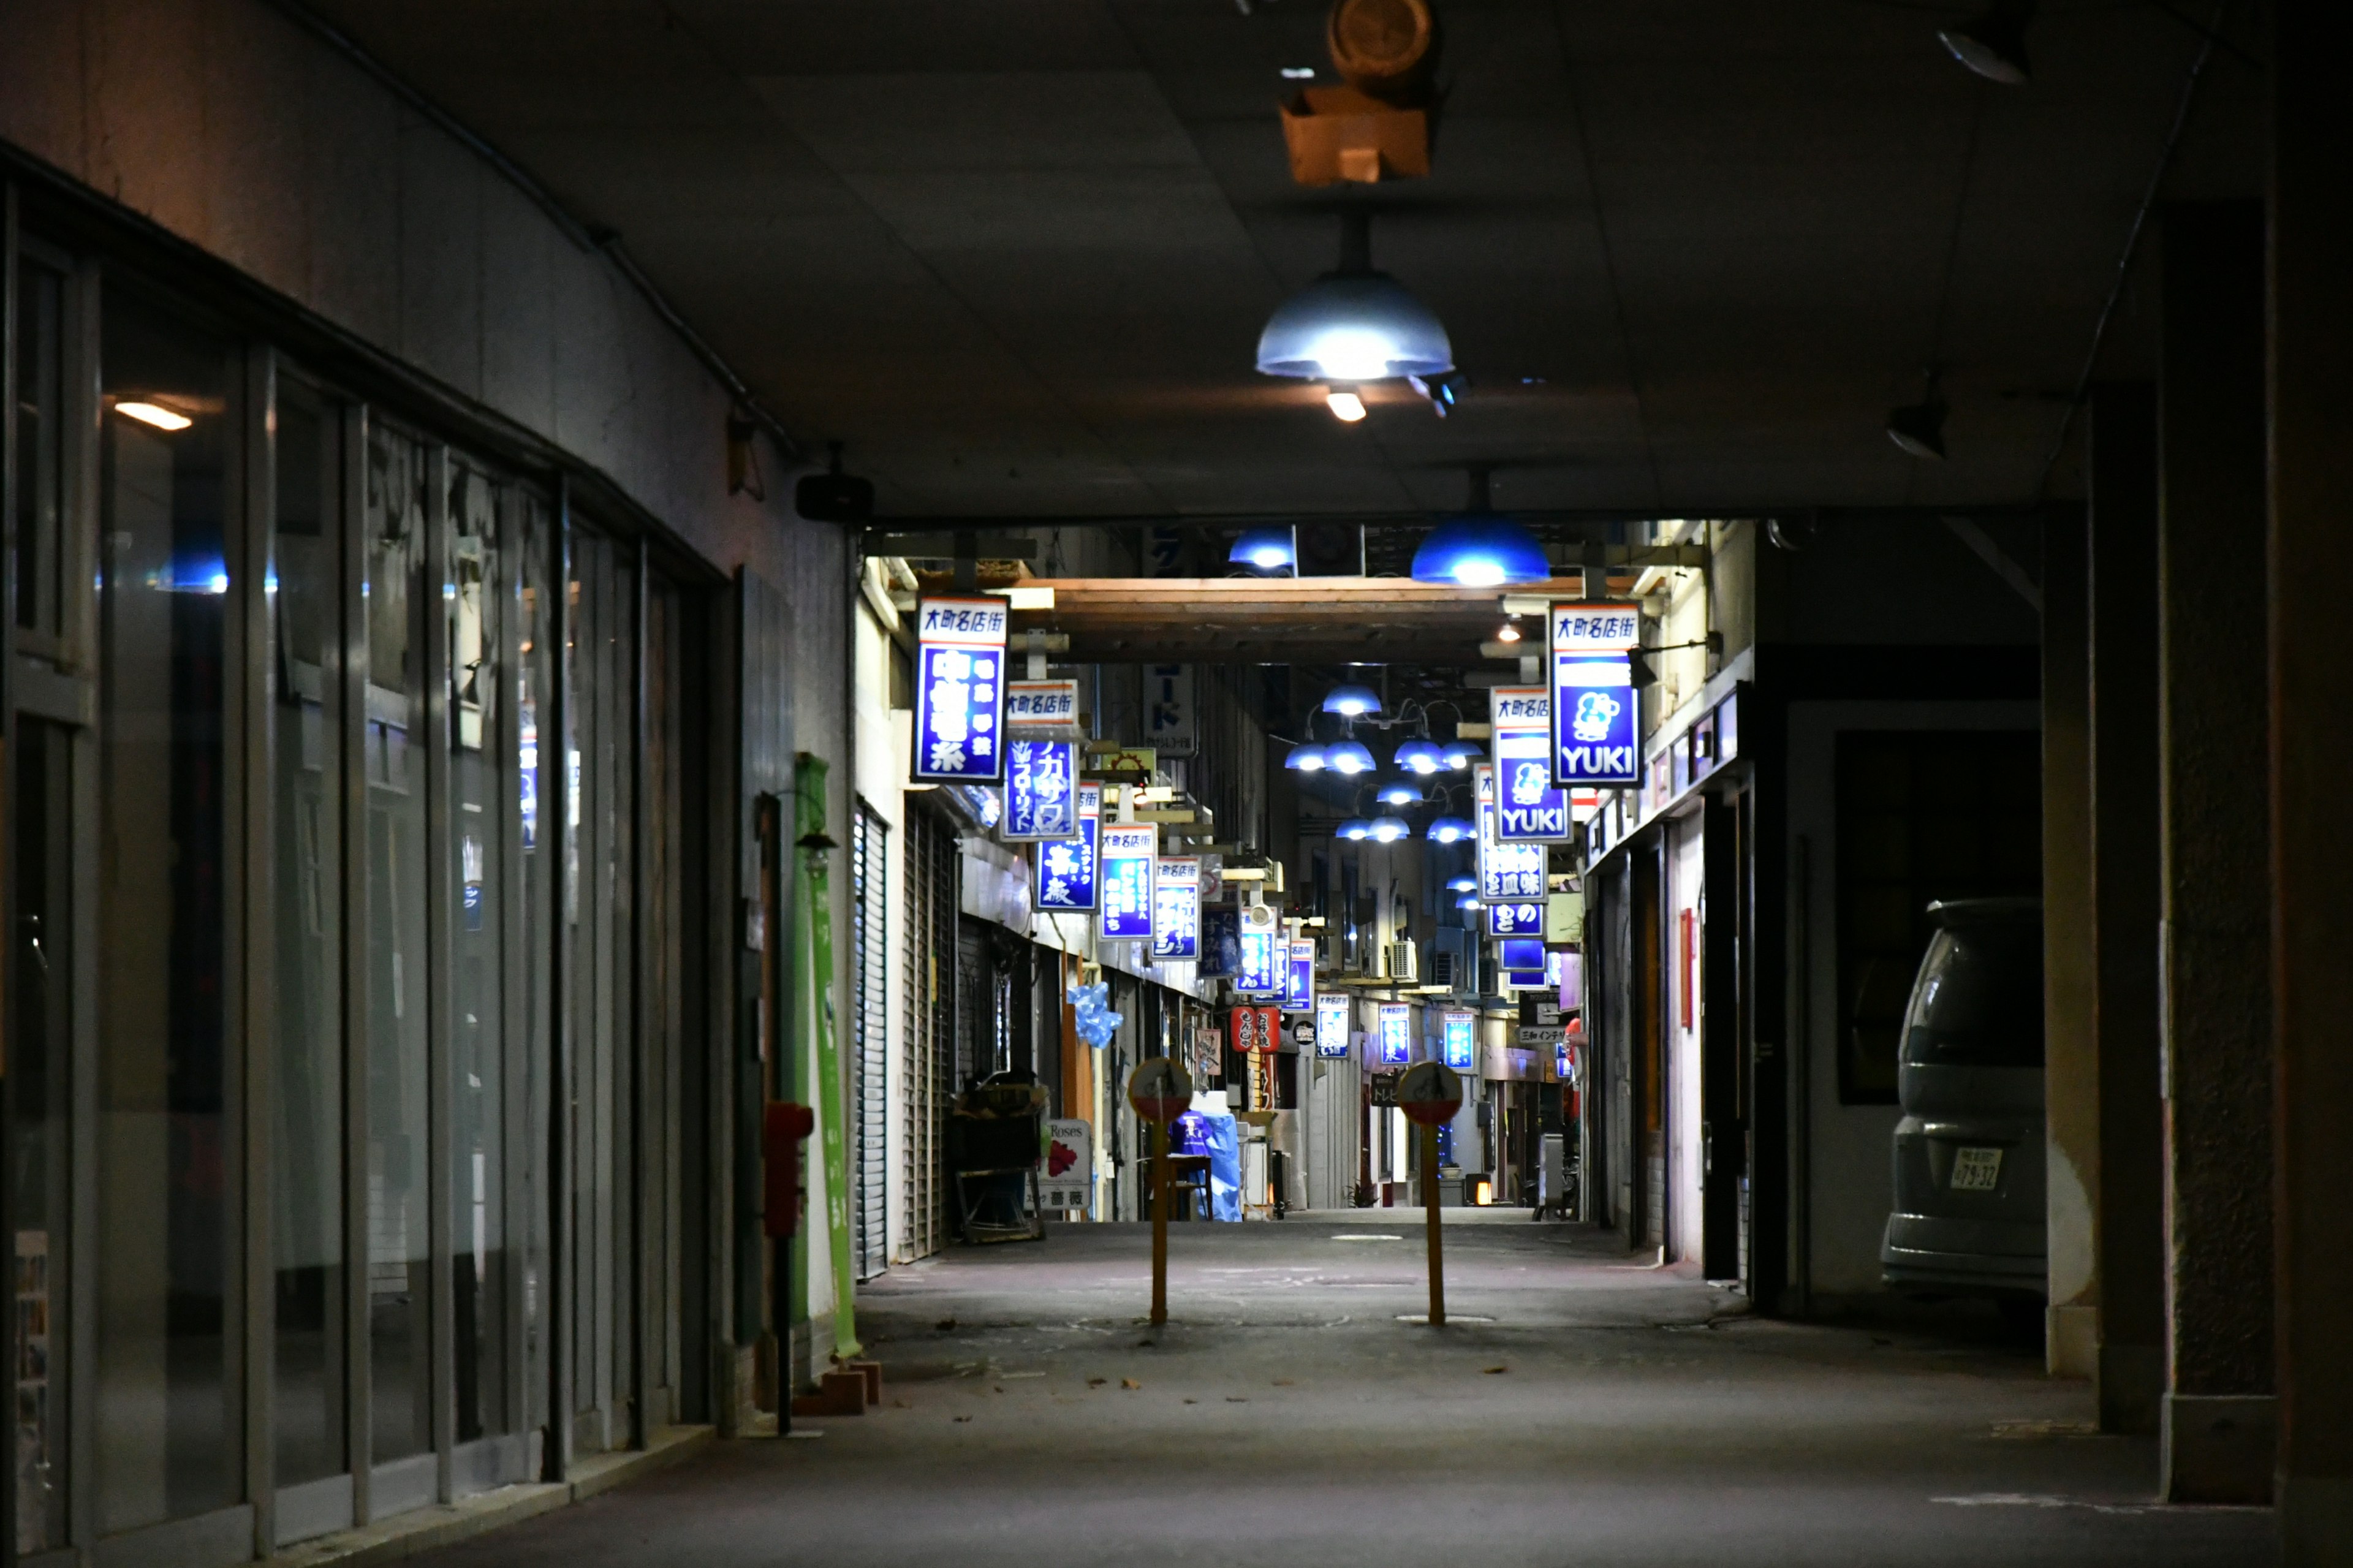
<point x="1968" y="1217"/>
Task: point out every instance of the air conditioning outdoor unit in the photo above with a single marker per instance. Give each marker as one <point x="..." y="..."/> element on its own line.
<point x="1401" y="966"/>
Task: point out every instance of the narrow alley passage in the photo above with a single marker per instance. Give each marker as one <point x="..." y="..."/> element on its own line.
<point x="1584" y="1409"/>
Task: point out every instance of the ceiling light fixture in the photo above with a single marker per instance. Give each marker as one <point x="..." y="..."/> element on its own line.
<point x="1267" y="549"/>
<point x="1306" y="757"/>
<point x="1467" y="902"/>
<point x="1353" y="324"/>
<point x="1389" y="829"/>
<point x="1478" y="548"/>
<point x="1420" y="757"/>
<point x="1398" y="791"/>
<point x="1510" y="631"/>
<point x="1461" y="884"/>
<point x="1460" y="754"/>
<point x="1353" y="701"/>
<point x="154" y="413"/>
<point x="1452" y="830"/>
<point x="1347" y="407"/>
<point x="1356" y="830"/>
<point x="1993" y="46"/>
<point x="1348" y="757"/>
<point x="1299" y="73"/>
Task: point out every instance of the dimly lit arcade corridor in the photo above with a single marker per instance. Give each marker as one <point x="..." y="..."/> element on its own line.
<point x="1258" y="781"/>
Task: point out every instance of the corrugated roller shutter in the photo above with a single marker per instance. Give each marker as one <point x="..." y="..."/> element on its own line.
<point x="871" y="978"/>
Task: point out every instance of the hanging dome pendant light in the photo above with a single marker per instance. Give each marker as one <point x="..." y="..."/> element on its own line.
<point x="1353" y="325"/>
<point x="1480" y="548"/>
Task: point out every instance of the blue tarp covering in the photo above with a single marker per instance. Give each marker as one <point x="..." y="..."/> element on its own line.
<point x="1198" y="1133"/>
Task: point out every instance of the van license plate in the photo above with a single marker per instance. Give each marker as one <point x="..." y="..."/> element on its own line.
<point x="1975" y="1170"/>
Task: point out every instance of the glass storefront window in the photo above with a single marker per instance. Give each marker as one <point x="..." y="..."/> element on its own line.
<point x="168" y="1414"/>
<point x="40" y="1046"/>
<point x="306" y="742"/>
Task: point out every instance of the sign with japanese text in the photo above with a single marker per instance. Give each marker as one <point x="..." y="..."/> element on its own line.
<point x="1259" y="973"/>
<point x="960" y="690"/>
<point x="1528" y="809"/>
<point x="1258" y="1029"/>
<point x="1045" y="709"/>
<point x="1169" y="723"/>
<point x="1176" y="909"/>
<point x="1066" y="866"/>
<point x="1458" y="1038"/>
<point x="1299" y="976"/>
<point x="1593" y="735"/>
<point x="1393" y="1034"/>
<point x="1221" y="941"/>
<point x="1042" y="779"/>
<point x="1332" y="1026"/>
<point x="1129" y="855"/>
<point x="1511" y="876"/>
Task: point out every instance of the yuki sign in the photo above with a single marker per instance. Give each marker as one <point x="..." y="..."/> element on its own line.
<point x="960" y="690"/>
<point x="1130" y="853"/>
<point x="1066" y="866"/>
<point x="1528" y="809"/>
<point x="1176" y="909"/>
<point x="1299" y="976"/>
<point x="1511" y="876"/>
<point x="1593" y="735"/>
<point x="1041" y="779"/>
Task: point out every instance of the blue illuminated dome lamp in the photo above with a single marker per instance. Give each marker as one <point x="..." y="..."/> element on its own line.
<point x="1389" y="829"/>
<point x="1420" y="757"/>
<point x="1467" y="902"/>
<point x="1460" y="754"/>
<point x="1399" y="792"/>
<point x="1306" y="757"/>
<point x="1353" y="325"/>
<point x="1479" y="547"/>
<point x="1348" y="757"/>
<point x="1354" y="701"/>
<point x="1356" y="830"/>
<point x="1462" y="885"/>
<point x="1451" y="830"/>
<point x="1266" y="548"/>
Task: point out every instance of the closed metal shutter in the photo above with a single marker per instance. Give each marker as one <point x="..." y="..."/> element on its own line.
<point x="870" y="1072"/>
<point x="927" y="1065"/>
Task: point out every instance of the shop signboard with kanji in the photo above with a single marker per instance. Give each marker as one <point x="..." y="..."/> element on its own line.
<point x="1393" y="1034"/>
<point x="1299" y="975"/>
<point x="1043" y="710"/>
<point x="1593" y="736"/>
<point x="1457" y="1038"/>
<point x="1258" y="1029"/>
<point x="1259" y="973"/>
<point x="1129" y="854"/>
<point x="1066" y="866"/>
<point x="1041" y="781"/>
<point x="1176" y="909"/>
<point x="1528" y="809"/>
<point x="1332" y="1025"/>
<point x="960" y="690"/>
<point x="1511" y="876"/>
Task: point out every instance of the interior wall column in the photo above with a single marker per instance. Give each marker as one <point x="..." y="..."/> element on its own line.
<point x="2310" y="560"/>
<point x="2216" y="1424"/>
<point x="2071" y="1042"/>
<point x="2124" y="894"/>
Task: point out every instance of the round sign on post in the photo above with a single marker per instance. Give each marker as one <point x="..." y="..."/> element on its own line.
<point x="1160" y="1091"/>
<point x="1431" y="1093"/>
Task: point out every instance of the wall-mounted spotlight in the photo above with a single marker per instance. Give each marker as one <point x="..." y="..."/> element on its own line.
<point x="1994" y="45"/>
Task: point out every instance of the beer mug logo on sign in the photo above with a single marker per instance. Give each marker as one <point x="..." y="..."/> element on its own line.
<point x="1594" y="711"/>
<point x="1530" y="783"/>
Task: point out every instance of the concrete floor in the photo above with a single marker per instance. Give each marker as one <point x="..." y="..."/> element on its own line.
<point x="1582" y="1410"/>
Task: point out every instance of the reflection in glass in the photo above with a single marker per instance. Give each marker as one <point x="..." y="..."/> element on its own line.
<point x="40" y="1046"/>
<point x="167" y="1413"/>
<point x="479" y="769"/>
<point x="535" y="796"/>
<point x="400" y="1362"/>
<point x="306" y="783"/>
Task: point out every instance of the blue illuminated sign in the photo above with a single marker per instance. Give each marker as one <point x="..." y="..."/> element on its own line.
<point x="1458" y="1039"/>
<point x="1040" y="789"/>
<point x="1508" y="873"/>
<point x="1522" y="952"/>
<point x="1593" y="737"/>
<point x="1066" y="866"/>
<point x="1259" y="973"/>
<point x="1331" y="1026"/>
<point x="1393" y="1035"/>
<point x="1176" y="909"/>
<point x="1528" y="809"/>
<point x="1299" y="977"/>
<point x="1130" y="852"/>
<point x="960" y="690"/>
<point x="1515" y="918"/>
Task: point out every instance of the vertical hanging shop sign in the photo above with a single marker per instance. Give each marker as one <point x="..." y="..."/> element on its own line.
<point x="960" y="690"/>
<point x="1528" y="809"/>
<point x="1332" y="1026"/>
<point x="1040" y="788"/>
<point x="1299" y="976"/>
<point x="1593" y="731"/>
<point x="1066" y="866"/>
<point x="1393" y="1035"/>
<point x="1258" y="1030"/>
<point x="1259" y="973"/>
<point x="1131" y="852"/>
<point x="1176" y="909"/>
<point x="1458" y="1038"/>
<point x="1042" y="709"/>
<point x="1221" y="939"/>
<point x="1169" y="725"/>
<point x="1511" y="876"/>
